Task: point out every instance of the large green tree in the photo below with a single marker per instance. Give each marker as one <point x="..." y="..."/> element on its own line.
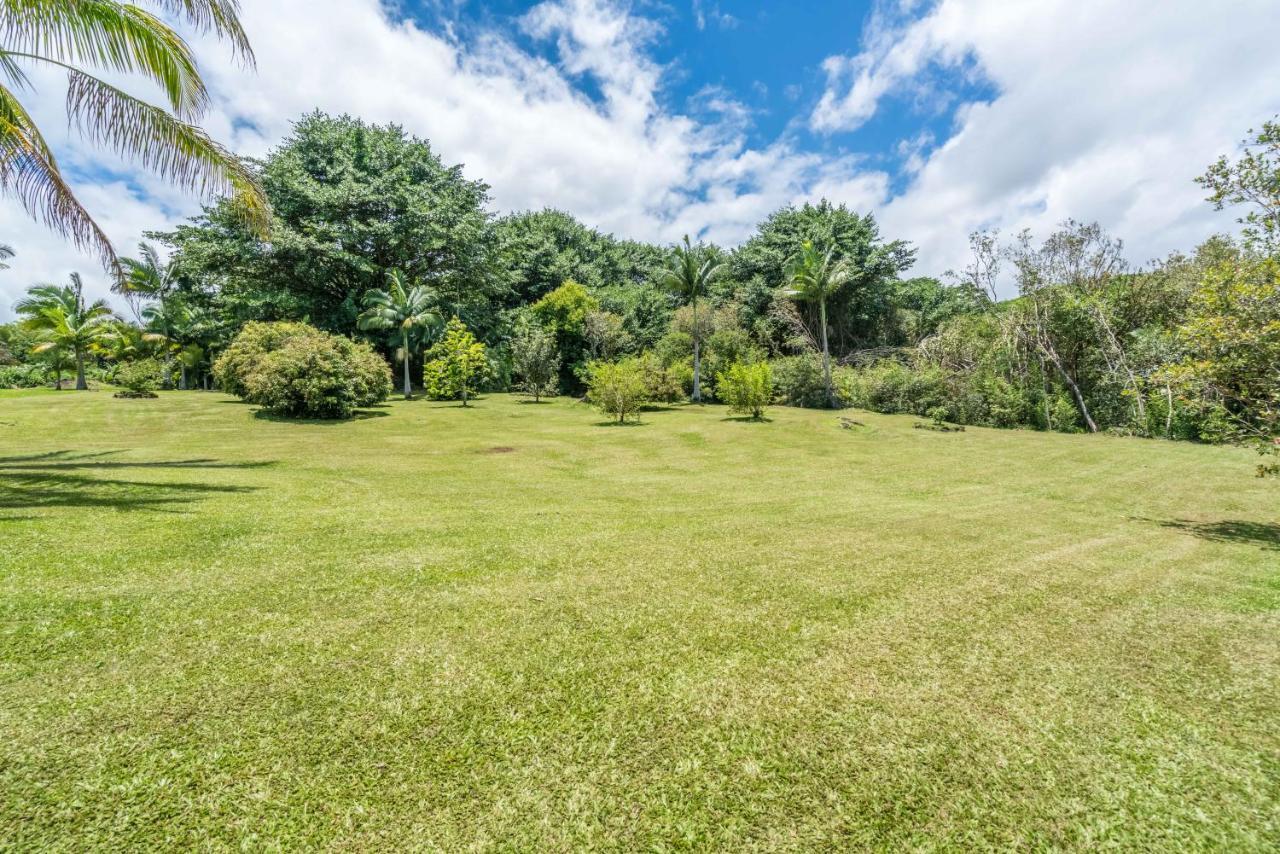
<point x="93" y="43"/>
<point x="863" y="314"/>
<point x="352" y="202"/>
<point x="542" y="249"/>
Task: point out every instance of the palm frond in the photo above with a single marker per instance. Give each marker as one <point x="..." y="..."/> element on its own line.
<point x="174" y="149"/>
<point x="28" y="170"/>
<point x="109" y="35"/>
<point x="221" y="17"/>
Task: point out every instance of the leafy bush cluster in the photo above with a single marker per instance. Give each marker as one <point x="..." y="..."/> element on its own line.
<point x="457" y="365"/>
<point x="139" y="378"/>
<point x="32" y="375"/>
<point x="297" y="371"/>
<point x="618" y="388"/>
<point x="746" y="388"/>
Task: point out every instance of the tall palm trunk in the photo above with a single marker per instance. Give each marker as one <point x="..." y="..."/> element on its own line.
<point x="697" y="355"/>
<point x="408" y="389"/>
<point x="826" y="355"/>
<point x="81" y="385"/>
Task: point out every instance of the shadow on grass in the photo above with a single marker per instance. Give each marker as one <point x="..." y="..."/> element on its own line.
<point x="749" y="419"/>
<point x="542" y="402"/>
<point x="620" y="424"/>
<point x="51" y="480"/>
<point x="1266" y="535"/>
<point x="358" y="415"/>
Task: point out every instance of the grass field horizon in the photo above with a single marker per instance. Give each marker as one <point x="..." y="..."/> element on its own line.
<point x="510" y="626"/>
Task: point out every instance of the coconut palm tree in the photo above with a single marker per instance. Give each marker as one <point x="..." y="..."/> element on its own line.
<point x="814" y="275"/>
<point x="149" y="276"/>
<point x="185" y="331"/>
<point x="65" y="323"/>
<point x="689" y="271"/>
<point x="89" y="38"/>
<point x="405" y="310"/>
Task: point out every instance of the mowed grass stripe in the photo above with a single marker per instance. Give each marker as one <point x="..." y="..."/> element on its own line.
<point x="509" y="627"/>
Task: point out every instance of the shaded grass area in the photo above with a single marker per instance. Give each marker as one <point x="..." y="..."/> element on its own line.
<point x="505" y="626"/>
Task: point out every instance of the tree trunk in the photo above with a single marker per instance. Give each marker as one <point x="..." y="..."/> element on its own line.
<point x="57" y="377"/>
<point x="81" y="385"/>
<point x="1168" y="416"/>
<point x="408" y="388"/>
<point x="182" y="383"/>
<point x="697" y="355"/>
<point x="1076" y="395"/>
<point x="826" y="356"/>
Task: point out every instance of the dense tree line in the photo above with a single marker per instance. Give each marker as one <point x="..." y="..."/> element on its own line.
<point x="373" y="237"/>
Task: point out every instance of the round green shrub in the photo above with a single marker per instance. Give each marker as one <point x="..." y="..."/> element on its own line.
<point x="231" y="370"/>
<point x="139" y="378"/>
<point x="300" y="372"/>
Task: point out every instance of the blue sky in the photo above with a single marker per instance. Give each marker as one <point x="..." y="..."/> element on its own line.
<point x="765" y="58"/>
<point x="655" y="119"/>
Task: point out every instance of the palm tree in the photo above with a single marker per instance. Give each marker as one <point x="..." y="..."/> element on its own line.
<point x="814" y="275"/>
<point x="6" y="252"/>
<point x="689" y="271"/>
<point x="59" y="313"/>
<point x="85" y="39"/>
<point x="184" y="329"/>
<point x="147" y="277"/>
<point x="396" y="308"/>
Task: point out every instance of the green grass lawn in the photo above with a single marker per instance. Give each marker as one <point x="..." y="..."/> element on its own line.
<point x="511" y="627"/>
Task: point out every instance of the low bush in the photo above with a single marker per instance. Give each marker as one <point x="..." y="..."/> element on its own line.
<point x="31" y="375"/>
<point x="618" y="388"/>
<point x="300" y="372"/>
<point x="139" y="378"/>
<point x="892" y="387"/>
<point x="665" y="383"/>
<point x="746" y="388"/>
<point x="231" y="370"/>
<point x="798" y="381"/>
<point x="456" y="366"/>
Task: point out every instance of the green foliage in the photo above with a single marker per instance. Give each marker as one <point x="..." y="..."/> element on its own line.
<point x="405" y="313"/>
<point x="1231" y="337"/>
<point x="318" y="375"/>
<point x="85" y="40"/>
<point x="666" y="382"/>
<point x="892" y="387"/>
<point x="689" y="272"/>
<point x="535" y="361"/>
<point x="746" y="387"/>
<point x="863" y="314"/>
<point x="563" y="312"/>
<point x="618" y="388"/>
<point x="457" y="365"/>
<point x="352" y="201"/>
<point x="242" y="356"/>
<point x="64" y="322"/>
<point x="30" y="375"/>
<point x="540" y="250"/>
<point x="799" y="381"/>
<point x="140" y="377"/>
<point x="1253" y="180"/>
